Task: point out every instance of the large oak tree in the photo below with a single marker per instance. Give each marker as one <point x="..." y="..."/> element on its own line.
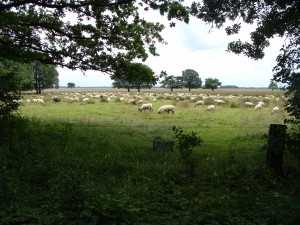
<point x="83" y="35"/>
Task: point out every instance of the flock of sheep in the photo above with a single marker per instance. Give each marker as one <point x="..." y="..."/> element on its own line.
<point x="139" y="98"/>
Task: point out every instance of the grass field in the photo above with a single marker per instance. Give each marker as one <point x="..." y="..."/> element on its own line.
<point x="219" y="128"/>
<point x="93" y="162"/>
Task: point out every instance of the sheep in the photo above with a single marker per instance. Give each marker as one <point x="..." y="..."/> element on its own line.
<point x="85" y="100"/>
<point x="275" y="110"/>
<point x="250" y="104"/>
<point x="210" y="108"/>
<point x="219" y="101"/>
<point x="144" y="107"/>
<point x="140" y="102"/>
<point x="131" y="101"/>
<point x="199" y="103"/>
<point x="56" y="99"/>
<point x="167" y="109"/>
<point x="258" y="107"/>
<point x="39" y="101"/>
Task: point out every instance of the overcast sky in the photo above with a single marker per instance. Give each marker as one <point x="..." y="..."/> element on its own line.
<point x="192" y="46"/>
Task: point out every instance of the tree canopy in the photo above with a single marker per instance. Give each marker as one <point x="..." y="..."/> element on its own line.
<point x="82" y="35"/>
<point x="212" y="83"/>
<point x="191" y="79"/>
<point x="45" y="76"/>
<point x="273" y="85"/>
<point x="170" y="81"/>
<point x="71" y="85"/>
<point x="134" y="75"/>
<point x="14" y="77"/>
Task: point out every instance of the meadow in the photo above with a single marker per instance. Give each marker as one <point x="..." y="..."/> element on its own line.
<point x="93" y="162"/>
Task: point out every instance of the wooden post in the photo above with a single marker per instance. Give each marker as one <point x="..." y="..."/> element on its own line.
<point x="275" y="149"/>
<point x="162" y="146"/>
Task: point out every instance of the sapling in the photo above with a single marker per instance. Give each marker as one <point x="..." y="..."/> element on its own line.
<point x="186" y="143"/>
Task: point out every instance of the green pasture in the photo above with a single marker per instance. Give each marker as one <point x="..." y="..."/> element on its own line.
<point x="219" y="129"/>
<point x="93" y="163"/>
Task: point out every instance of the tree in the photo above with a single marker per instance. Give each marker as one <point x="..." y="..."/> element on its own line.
<point x="191" y="79"/>
<point x="212" y="84"/>
<point x="14" y="77"/>
<point x="134" y="75"/>
<point x="45" y="76"/>
<point x="273" y="85"/>
<point x="99" y="36"/>
<point x="122" y="82"/>
<point x="170" y="81"/>
<point x="71" y="85"/>
<point x="272" y="18"/>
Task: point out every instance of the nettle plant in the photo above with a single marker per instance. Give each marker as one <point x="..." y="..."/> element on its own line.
<point x="186" y="144"/>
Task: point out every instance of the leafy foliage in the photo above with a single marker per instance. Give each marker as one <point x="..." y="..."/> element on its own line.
<point x="71" y="85"/>
<point x="273" y="85"/>
<point x="191" y="79"/>
<point x="82" y="35"/>
<point x="14" y="78"/>
<point x="186" y="143"/>
<point x="45" y="76"/>
<point x="212" y="84"/>
<point x="170" y="81"/>
<point x="134" y="75"/>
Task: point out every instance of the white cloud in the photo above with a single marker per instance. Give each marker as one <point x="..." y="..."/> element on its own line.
<point x="192" y="46"/>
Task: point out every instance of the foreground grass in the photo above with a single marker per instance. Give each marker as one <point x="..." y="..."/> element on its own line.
<point x="63" y="173"/>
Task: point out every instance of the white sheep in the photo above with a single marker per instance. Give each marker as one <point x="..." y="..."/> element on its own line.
<point x="199" y="103"/>
<point x="210" y="108"/>
<point x="40" y="101"/>
<point x="166" y="109"/>
<point x="140" y="102"/>
<point x="144" y="107"/>
<point x="250" y="104"/>
<point x="275" y="110"/>
<point x="131" y="101"/>
<point x="258" y="107"/>
<point x="85" y="100"/>
<point x="219" y="101"/>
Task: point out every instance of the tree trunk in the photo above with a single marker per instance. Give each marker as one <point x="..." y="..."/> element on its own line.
<point x="275" y="149"/>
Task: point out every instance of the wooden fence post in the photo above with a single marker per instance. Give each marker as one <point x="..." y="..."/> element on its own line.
<point x="163" y="146"/>
<point x="275" y="149"/>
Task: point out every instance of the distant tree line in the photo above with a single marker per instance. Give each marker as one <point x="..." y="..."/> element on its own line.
<point x="189" y="79"/>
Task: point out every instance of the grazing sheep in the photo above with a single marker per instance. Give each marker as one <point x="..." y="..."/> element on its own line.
<point x="140" y="102"/>
<point x="261" y="103"/>
<point x="249" y="104"/>
<point x="258" y="107"/>
<point x="166" y="109"/>
<point x="210" y="108"/>
<point x="144" y="107"/>
<point x="131" y="101"/>
<point x="275" y="110"/>
<point x="86" y="100"/>
<point x="219" y="101"/>
<point x="38" y="101"/>
<point x="56" y="99"/>
<point x="199" y="103"/>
